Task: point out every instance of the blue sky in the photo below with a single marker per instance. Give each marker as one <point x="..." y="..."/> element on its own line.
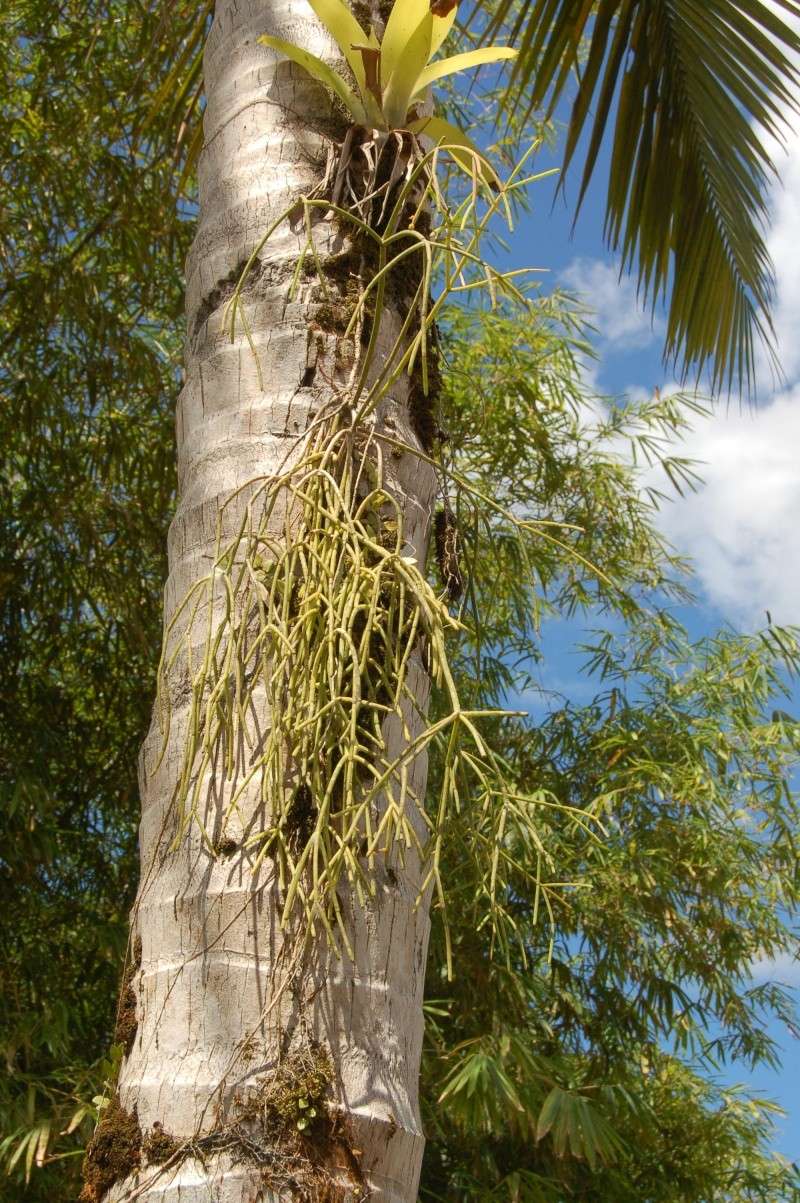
<point x="742" y="527"/>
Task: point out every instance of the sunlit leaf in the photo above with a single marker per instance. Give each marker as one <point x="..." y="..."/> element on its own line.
<point x="444" y="16"/>
<point x="463" y="62"/>
<point x="403" y="81"/>
<point x="340" y="22"/>
<point x="404" y="20"/>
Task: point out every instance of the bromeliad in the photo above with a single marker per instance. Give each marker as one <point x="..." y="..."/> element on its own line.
<point x="393" y="74"/>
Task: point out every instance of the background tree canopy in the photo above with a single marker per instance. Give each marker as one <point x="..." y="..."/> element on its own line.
<point x="573" y="1054"/>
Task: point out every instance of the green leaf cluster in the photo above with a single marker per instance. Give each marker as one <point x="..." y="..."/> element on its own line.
<point x="91" y="251"/>
<point x="392" y="73"/>
<point x="578" y="1050"/>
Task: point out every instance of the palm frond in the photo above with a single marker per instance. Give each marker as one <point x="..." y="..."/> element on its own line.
<point x="687" y="90"/>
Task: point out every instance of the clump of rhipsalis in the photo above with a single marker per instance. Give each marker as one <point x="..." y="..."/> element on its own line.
<point x="295" y="1098"/>
<point x="319" y="598"/>
<point x="291" y="1129"/>
<point x="158" y="1145"/>
<point x="447" y="553"/>
<point x="114" y="1151"/>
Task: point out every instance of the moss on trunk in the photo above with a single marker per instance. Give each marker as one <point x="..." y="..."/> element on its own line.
<point x="127" y="1024"/>
<point x="114" y="1152"/>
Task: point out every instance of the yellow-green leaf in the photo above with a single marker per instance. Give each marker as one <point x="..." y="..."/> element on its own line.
<point x="347" y="32"/>
<point x="404" y="20"/>
<point x="321" y="71"/>
<point x="42" y="1144"/>
<point x="77" y="1119"/>
<point x="405" y="76"/>
<point x="463" y="62"/>
<point x="442" y="27"/>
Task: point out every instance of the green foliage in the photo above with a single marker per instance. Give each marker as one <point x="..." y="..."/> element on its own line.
<point x="91" y="254"/>
<point x="393" y="75"/>
<point x="562" y="458"/>
<point x="578" y="1059"/>
<point x="688" y="87"/>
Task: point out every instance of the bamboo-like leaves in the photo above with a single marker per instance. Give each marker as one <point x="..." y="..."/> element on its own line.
<point x="577" y="1127"/>
<point x="695" y="83"/>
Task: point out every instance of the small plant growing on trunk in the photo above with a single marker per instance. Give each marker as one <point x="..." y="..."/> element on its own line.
<point x="393" y="73"/>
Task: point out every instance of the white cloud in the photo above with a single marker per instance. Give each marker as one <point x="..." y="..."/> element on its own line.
<point x="742" y="528"/>
<point x="618" y="316"/>
<point x="784" y="969"/>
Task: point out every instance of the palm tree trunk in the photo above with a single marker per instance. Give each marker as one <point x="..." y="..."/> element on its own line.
<point x="235" y="1032"/>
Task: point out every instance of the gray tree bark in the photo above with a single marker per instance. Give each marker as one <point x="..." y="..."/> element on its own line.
<point x="219" y="1006"/>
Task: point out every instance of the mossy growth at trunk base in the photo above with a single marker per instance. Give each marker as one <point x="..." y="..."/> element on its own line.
<point x="295" y="1097"/>
<point x="288" y="1126"/>
<point x="114" y="1152"/>
<point x="285" y="1125"/>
